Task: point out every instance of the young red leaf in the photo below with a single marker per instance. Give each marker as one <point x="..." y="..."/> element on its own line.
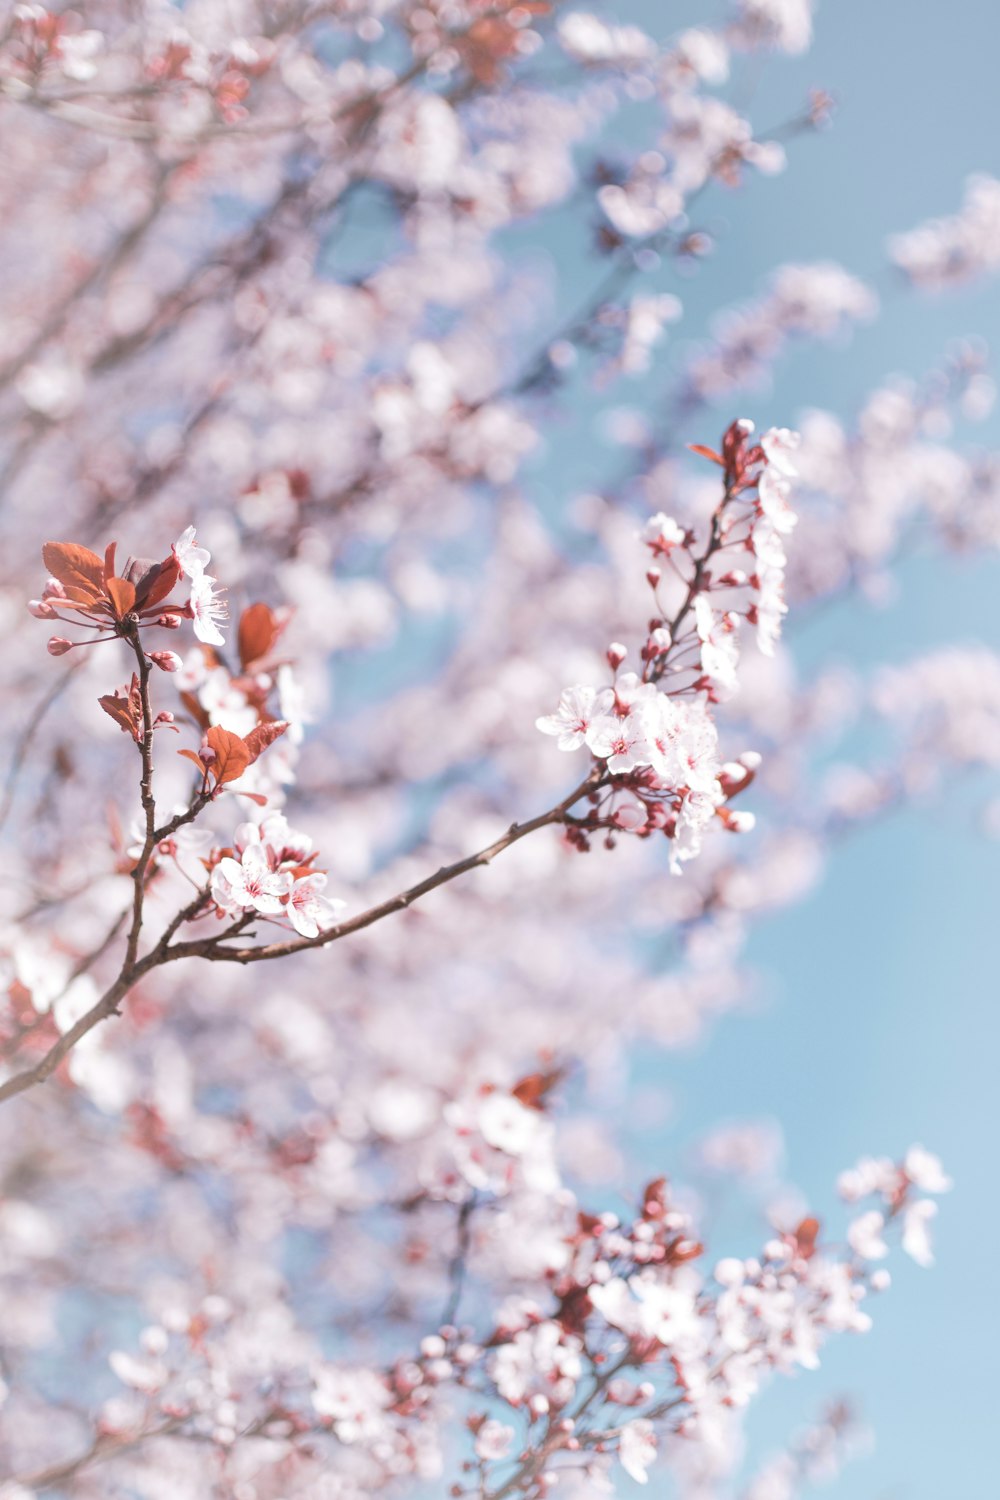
<point x="109" y="560"/>
<point x="122" y="596"/>
<point x="191" y="755"/>
<point x="80" y="571"/>
<point x="805" y="1238"/>
<point x="533" y="1090"/>
<point x="263" y="735"/>
<point x="231" y="755"/>
<point x="162" y="583"/>
<point x="707" y="453"/>
<point x="257" y="634"/>
<point x="119" y="709"/>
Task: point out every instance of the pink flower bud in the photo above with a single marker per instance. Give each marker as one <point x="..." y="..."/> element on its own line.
<point x="653" y="577"/>
<point x="616" y="655"/>
<point x="169" y="622"/>
<point x="167" y="661"/>
<point x="741" y="822"/>
<point x="59" y="645"/>
<point x="42" y="610"/>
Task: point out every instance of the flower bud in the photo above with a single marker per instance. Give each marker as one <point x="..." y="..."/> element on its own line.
<point x="42" y="609"/>
<point x="616" y="655"/>
<point x="169" y="622"/>
<point x="59" y="645"/>
<point x="167" y="661"/>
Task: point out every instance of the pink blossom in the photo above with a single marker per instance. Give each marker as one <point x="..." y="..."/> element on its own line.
<point x="578" y="707"/>
<point x="307" y="909"/>
<point x="249" y="884"/>
<point x="621" y="742"/>
<point x="925" y="1171"/>
<point x="637" y="1449"/>
<point x="865" y="1236"/>
<point x="773" y="490"/>
<point x="719" y="646"/>
<point x="494" y="1440"/>
<point x="663" y="534"/>
<point x="193" y="560"/>
<point x="207" y="608"/>
<point x="778" y="443"/>
<point x="916" y="1231"/>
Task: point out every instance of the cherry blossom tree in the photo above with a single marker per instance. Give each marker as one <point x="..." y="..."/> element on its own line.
<point x="322" y="657"/>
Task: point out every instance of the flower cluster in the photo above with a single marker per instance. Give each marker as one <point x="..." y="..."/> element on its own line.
<point x="648" y="1343"/>
<point x="269" y="871"/>
<point x="652" y="735"/>
<point x="896" y="1187"/>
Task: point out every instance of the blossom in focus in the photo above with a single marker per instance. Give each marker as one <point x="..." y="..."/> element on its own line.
<point x="578" y="707"/>
<point x="308" y="909"/>
<point x="619" y="741"/>
<point x="207" y="609"/>
<point x="249" y="883"/>
<point x="191" y="559"/>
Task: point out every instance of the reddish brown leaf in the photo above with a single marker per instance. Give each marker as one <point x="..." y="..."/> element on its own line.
<point x="122" y="596"/>
<point x="263" y="735"/>
<point x="231" y="755"/>
<point x="162" y="583"/>
<point x="681" y="1250"/>
<point x="118" y="709"/>
<point x="257" y="797"/>
<point x="109" y="560"/>
<point x="191" y="755"/>
<point x="257" y="634"/>
<point x="707" y="453"/>
<point x="805" y="1237"/>
<point x="533" y="1090"/>
<point x="79" y="570"/>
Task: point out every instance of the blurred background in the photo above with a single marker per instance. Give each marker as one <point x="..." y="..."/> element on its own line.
<point x="875" y="1022"/>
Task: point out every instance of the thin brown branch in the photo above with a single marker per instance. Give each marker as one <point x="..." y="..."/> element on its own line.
<point x="210" y="947"/>
<point x="148" y="805"/>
